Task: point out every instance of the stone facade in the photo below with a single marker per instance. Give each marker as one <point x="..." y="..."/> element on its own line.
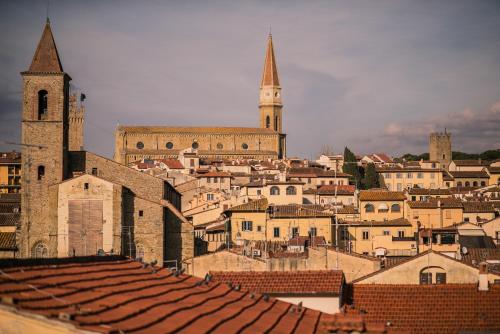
<point x="76" y="202"/>
<point x="133" y="143"/>
<point x="440" y="148"/>
<point x="76" y="124"/>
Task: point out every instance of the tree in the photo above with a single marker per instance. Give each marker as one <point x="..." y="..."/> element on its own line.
<point x="371" y="178"/>
<point x="350" y="166"/>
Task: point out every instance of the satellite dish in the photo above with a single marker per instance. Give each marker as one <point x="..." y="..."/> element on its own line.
<point x="464" y="250"/>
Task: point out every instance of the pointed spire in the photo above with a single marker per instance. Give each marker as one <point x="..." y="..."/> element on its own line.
<point x="270" y="75"/>
<point x="46" y="58"/>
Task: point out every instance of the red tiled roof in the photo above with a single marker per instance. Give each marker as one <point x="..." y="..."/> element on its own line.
<point x="469" y="174"/>
<point x="119" y="295"/>
<point x="472" y="207"/>
<point x="353" y="321"/>
<point x="430" y="192"/>
<point x="341" y="189"/>
<point x="315" y="282"/>
<point x="173" y="163"/>
<point x="215" y="174"/>
<point x="381" y="195"/>
<point x="270" y="73"/>
<point x="46" y="58"/>
<point x="443" y="308"/>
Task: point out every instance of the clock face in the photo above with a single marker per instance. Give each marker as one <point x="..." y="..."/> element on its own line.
<point x="276" y="94"/>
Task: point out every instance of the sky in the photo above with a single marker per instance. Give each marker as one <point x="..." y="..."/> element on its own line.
<point x="376" y="76"/>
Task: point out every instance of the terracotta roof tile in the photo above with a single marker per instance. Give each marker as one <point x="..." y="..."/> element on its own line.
<point x="469" y="174"/>
<point x="430" y="192"/>
<point x="341" y="189"/>
<point x="257" y="205"/>
<point x="308" y="282"/>
<point x="381" y="195"/>
<point x="472" y="207"/>
<point x="270" y="73"/>
<point x="444" y="308"/>
<point x="116" y="294"/>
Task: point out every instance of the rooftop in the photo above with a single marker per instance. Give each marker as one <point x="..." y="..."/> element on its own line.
<point x="381" y="195"/>
<point x="115" y="294"/>
<point x="308" y="282"/>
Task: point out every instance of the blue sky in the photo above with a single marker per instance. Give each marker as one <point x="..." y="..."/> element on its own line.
<point x="376" y="76"/>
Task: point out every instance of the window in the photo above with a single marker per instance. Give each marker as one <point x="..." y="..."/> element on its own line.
<point x="401" y="234"/>
<point x="139" y="145"/>
<point x="139" y="251"/>
<point x="246" y="226"/>
<point x="398" y="175"/>
<point x="433" y="166"/>
<point x="210" y="197"/>
<point x="170" y="145"/>
<point x="209" y="179"/>
<point x="191" y="162"/>
<point x="43" y="112"/>
<point x="268" y="122"/>
<point x="244" y="146"/>
<point x="141" y="213"/>
<point x="40" y="251"/>
<point x="259" y="228"/>
<point x="387" y="175"/>
<point x="195" y="145"/>
<point x="448" y="184"/>
<point x="216" y="179"/>
<point x="366" y="235"/>
<point x="483" y="183"/>
<point x="259" y="192"/>
<point x="447" y="214"/>
<point x="275" y="190"/>
<point x="459" y="184"/>
<point x="309" y="180"/>
<point x="383" y="208"/>
<point x="440" y="278"/>
<point x="386" y="232"/>
<point x="467" y="183"/>
<point x="466" y="219"/>
<point x="420" y="175"/>
<point x="369" y="208"/>
<point x="313" y="231"/>
<point x="399" y="187"/>
<point x="295" y="232"/>
<point x="86" y="186"/>
<point x="474" y="184"/>
<point x="447" y="239"/>
<point x="220" y="146"/>
<point x="276" y="120"/>
<point x="94" y="171"/>
<point x="409" y="175"/>
<point x="425" y="278"/>
<point x="395" y="208"/>
<point x="276" y="232"/>
<point x="291" y="190"/>
<point x="41" y="172"/>
<point x="433" y="176"/>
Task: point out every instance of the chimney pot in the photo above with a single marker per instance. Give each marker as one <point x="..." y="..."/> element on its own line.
<point x="483" y="276"/>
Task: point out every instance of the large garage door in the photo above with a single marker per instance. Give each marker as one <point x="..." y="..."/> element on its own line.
<point x="85" y="227"/>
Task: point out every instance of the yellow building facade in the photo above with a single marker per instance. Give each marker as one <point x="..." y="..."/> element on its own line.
<point x="10" y="172"/>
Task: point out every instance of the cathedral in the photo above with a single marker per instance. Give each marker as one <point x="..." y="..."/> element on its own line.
<point x="133" y="143"/>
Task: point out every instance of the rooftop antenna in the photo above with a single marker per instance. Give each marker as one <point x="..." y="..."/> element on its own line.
<point x="270" y="30"/>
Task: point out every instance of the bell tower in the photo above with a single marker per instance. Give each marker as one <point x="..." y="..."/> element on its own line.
<point x="270" y="104"/>
<point x="45" y="144"/>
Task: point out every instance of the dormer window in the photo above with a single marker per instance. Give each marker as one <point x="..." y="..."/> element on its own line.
<point x="43" y="111"/>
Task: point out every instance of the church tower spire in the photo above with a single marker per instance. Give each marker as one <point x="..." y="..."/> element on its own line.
<point x="270" y="104"/>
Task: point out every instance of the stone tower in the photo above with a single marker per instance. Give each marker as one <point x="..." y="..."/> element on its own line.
<point x="76" y="121"/>
<point x="440" y="148"/>
<point x="45" y="144"/>
<point x="270" y="104"/>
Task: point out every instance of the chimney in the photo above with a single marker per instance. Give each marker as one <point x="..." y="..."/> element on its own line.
<point x="483" y="276"/>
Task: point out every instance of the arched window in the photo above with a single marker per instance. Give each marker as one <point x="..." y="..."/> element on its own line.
<point x="275" y="190"/>
<point x="40" y="250"/>
<point x="432" y="275"/>
<point x="395" y="208"/>
<point x="139" y="145"/>
<point x="276" y="123"/>
<point x="291" y="190"/>
<point x="483" y="183"/>
<point x="268" y="122"/>
<point x="43" y="111"/>
<point x="474" y="184"/>
<point x="383" y="208"/>
<point x="369" y="208"/>
<point x="459" y="183"/>
<point x="467" y="183"/>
